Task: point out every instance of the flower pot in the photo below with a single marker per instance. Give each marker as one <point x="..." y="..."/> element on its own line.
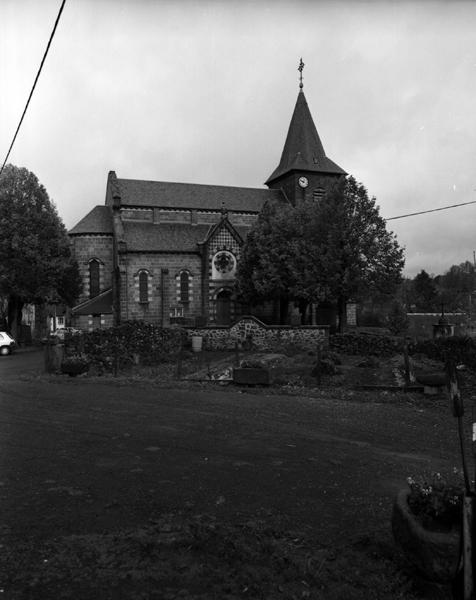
<point x="435" y="554"/>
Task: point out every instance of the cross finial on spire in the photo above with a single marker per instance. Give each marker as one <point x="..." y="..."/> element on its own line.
<point x="300" y="69"/>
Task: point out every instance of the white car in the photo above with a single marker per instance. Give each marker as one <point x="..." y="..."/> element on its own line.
<point x="7" y="343"/>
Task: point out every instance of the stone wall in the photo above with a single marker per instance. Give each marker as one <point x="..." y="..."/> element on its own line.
<point x="249" y="331"/>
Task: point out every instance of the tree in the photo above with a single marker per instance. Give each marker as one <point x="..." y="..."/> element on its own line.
<point x="358" y="255"/>
<point x="456" y="286"/>
<point x="265" y="267"/>
<point x="397" y="320"/>
<point x="425" y="292"/>
<point x="333" y="250"/>
<point x="36" y="264"/>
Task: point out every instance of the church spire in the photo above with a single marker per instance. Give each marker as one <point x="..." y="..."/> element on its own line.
<point x="303" y="149"/>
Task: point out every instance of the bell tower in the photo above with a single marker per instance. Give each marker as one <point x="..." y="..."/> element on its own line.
<point x="304" y="171"/>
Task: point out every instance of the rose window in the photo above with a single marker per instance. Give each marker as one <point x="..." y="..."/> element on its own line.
<point x="224" y="262"/>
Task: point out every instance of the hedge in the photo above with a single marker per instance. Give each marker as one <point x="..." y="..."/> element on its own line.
<point x="460" y="348"/>
<point x="151" y="344"/>
<point x="366" y="344"/>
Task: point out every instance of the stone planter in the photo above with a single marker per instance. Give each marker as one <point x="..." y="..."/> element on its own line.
<point x="73" y="369"/>
<point x="197" y="343"/>
<point x="435" y="554"/>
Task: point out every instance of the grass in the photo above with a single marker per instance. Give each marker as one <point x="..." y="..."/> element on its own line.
<point x="199" y="558"/>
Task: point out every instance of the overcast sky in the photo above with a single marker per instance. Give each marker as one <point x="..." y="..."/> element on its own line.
<point x="203" y="92"/>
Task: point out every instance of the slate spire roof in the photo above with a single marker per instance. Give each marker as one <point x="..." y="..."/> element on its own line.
<point x="303" y="149"/>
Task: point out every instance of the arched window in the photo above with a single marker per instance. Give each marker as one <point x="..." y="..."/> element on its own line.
<point x="184" y="287"/>
<point x="143" y="287"/>
<point x="94" y="283"/>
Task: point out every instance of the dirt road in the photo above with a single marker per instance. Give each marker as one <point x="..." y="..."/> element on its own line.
<point x="81" y="457"/>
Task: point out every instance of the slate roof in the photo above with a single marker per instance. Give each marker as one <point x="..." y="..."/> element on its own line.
<point x="168" y="237"/>
<point x="303" y="149"/>
<point x="135" y="192"/>
<point x="98" y="220"/>
<point x="101" y="304"/>
<point x="171" y="237"/>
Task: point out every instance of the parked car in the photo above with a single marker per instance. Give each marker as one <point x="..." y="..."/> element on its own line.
<point x="7" y="343"/>
<point x="65" y="332"/>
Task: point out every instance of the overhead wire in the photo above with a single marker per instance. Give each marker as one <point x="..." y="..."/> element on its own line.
<point x="422" y="212"/>
<point x="34" y="84"/>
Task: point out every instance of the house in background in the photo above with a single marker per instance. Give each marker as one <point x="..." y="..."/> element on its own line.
<point x="165" y="252"/>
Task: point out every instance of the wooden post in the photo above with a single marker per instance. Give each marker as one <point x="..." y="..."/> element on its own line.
<point x="209" y="368"/>
<point x="116" y="360"/>
<point x="468" y="532"/>
<point x="318" y="365"/>
<point x="179" y="362"/>
<point x="468" y="501"/>
<point x="458" y="412"/>
<point x="237" y="354"/>
<point x="406" y="362"/>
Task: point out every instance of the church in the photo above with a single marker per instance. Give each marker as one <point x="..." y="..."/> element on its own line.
<point x="166" y="253"/>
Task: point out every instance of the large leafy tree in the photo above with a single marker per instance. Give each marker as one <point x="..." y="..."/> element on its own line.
<point x="36" y="264"/>
<point x="335" y="250"/>
<point x="266" y="270"/>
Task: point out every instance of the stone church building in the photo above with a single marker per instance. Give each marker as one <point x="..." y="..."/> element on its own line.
<point x="167" y="253"/>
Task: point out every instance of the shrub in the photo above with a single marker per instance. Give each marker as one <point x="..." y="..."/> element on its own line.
<point x="461" y="349"/>
<point x="397" y="320"/>
<point x="436" y="500"/>
<point x="366" y="344"/>
<point x="74" y="365"/>
<point x="153" y="345"/>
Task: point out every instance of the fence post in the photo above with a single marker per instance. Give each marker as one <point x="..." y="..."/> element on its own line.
<point x="406" y="362"/>
<point x="237" y="354"/>
<point x="468" y="502"/>
<point x="318" y="364"/>
<point x="116" y="360"/>
<point x="179" y="362"/>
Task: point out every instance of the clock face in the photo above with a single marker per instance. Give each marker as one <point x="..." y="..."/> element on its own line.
<point x="224" y="262"/>
<point x="303" y="182"/>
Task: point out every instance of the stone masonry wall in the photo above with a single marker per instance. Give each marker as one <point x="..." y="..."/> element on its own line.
<point x="87" y="322"/>
<point x="249" y="330"/>
<point x="151" y="312"/>
<point x="87" y="247"/>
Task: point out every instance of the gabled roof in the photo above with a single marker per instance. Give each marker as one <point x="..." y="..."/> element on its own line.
<point x="135" y="192"/>
<point x="101" y="304"/>
<point x="98" y="220"/>
<point x="303" y="149"/>
<point x="236" y="232"/>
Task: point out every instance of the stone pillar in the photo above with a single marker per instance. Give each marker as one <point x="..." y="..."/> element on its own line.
<point x="351" y="309"/>
<point x="443" y="328"/>
<point x="164" y="298"/>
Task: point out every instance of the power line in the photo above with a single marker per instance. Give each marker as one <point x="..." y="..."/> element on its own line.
<point x="422" y="212"/>
<point x="34" y="84"/>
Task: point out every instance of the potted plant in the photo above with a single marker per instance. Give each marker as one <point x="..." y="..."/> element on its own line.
<point x="426" y="523"/>
<point x="75" y="364"/>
